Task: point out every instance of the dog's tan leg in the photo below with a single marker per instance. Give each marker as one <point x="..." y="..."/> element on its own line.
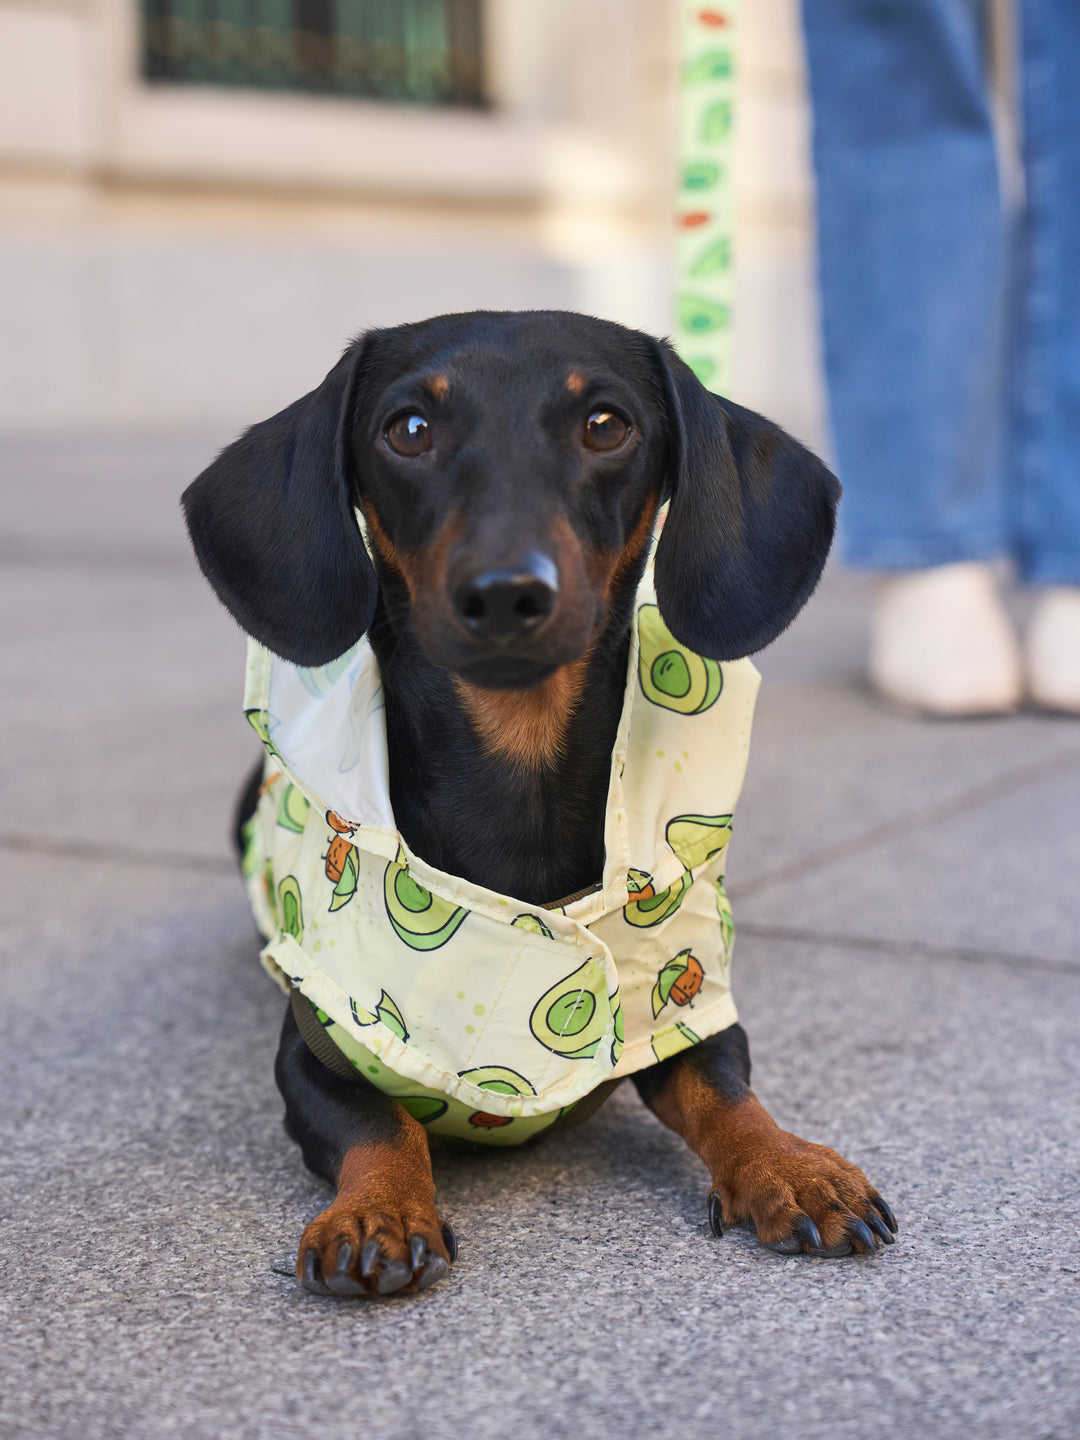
<point x="381" y="1233"/>
<point x="800" y="1196"/>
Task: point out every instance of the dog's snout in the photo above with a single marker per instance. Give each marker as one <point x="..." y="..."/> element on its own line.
<point x="507" y="604"/>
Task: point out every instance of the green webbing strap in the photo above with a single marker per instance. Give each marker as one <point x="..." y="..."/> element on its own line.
<point x="317" y="1038"/>
<point x="705" y="210"/>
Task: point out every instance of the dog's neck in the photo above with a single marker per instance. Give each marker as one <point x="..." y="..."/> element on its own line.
<point x="507" y="789"/>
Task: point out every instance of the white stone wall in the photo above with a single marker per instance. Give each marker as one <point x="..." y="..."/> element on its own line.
<point x="173" y="256"/>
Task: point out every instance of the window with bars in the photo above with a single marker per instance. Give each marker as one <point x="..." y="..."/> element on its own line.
<point x="424" y="51"/>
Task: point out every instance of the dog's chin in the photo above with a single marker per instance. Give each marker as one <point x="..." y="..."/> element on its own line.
<point x="505" y="672"/>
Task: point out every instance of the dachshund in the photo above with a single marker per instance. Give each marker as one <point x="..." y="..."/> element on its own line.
<point x="478" y="495"/>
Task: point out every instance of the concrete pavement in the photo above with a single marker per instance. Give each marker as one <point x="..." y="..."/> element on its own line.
<point x="908" y="968"/>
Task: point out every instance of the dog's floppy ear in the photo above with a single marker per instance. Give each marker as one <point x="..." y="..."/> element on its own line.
<point x="749" y="525"/>
<point x="273" y="527"/>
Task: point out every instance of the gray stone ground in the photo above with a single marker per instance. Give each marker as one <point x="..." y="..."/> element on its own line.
<point x="908" y="969"/>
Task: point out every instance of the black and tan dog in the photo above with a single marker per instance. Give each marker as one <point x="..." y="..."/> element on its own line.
<point x="510" y="468"/>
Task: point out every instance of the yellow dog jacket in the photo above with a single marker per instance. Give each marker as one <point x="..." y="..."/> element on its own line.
<point x="488" y="1018"/>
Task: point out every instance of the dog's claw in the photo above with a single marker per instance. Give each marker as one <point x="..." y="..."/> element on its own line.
<point x="878" y="1226"/>
<point x="417" y="1251"/>
<point x="435" y="1269"/>
<point x="341" y="1282"/>
<point x="450" y="1241"/>
<point x="312" y="1280"/>
<point x="369" y="1258"/>
<point x="883" y="1209"/>
<point x="806" y="1231"/>
<point x="861" y="1233"/>
<point x="716" y="1214"/>
<point x="393" y="1275"/>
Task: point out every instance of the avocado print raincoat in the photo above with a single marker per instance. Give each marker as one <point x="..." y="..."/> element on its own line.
<point x="490" y="1019"/>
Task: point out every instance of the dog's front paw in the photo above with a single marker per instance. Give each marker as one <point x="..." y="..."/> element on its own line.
<point x="374" y="1253"/>
<point x="800" y="1197"/>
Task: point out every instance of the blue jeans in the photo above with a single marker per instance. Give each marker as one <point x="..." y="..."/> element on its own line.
<point x="952" y="329"/>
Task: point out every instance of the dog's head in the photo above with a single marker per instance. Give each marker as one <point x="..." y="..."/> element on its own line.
<point x="509" y="467"/>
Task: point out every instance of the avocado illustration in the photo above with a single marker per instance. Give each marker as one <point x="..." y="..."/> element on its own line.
<point x="421" y="919"/>
<point x="347" y="880"/>
<point x="727" y="918"/>
<point x="360" y="1015"/>
<point x="716" y="122"/>
<point x="343" y="827"/>
<point x="271" y="892"/>
<point x="646" y="908"/>
<point x="703" y="367"/>
<point x="424" y="1108"/>
<point x="386" y="1010"/>
<point x="485" y="1121"/>
<point x="697" y="838"/>
<point x="700" y="316"/>
<point x="293" y="811"/>
<point x="671" y="675"/>
<point x="672" y="1039"/>
<point x="533" y="923"/>
<point x="713" y="259"/>
<point x="498" y="1079"/>
<point x="292" y="913"/>
<point x="567" y="1019"/>
<point x="619" y="1037"/>
<point x="709" y="65"/>
<point x="259" y="720"/>
<point x="679" y="980"/>
<point x="700" y="175"/>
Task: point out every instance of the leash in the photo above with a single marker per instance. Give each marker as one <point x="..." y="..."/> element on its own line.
<point x="704" y="219"/>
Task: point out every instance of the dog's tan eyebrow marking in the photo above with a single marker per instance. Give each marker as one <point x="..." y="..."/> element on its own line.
<point x="439" y="385"/>
<point x="575" y="382"/>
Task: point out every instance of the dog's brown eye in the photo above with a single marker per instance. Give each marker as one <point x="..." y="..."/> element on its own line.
<point x="604" y="430"/>
<point x="409" y="435"/>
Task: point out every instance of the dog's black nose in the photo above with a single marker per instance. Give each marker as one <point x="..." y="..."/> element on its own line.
<point x="504" y="605"/>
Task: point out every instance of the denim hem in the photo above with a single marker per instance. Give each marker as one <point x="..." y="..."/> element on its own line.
<point x="1054" y="568"/>
<point x="919" y="552"/>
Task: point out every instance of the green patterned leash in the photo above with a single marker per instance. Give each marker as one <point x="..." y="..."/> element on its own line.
<point x="705" y="201"/>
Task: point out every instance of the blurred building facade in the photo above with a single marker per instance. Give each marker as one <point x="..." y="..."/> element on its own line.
<point x="201" y="201"/>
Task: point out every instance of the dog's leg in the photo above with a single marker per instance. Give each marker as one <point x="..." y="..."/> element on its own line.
<point x="800" y="1196"/>
<point x="382" y="1232"/>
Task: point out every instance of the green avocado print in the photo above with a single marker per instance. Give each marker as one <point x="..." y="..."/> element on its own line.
<point x="712" y="65"/>
<point x="727" y="918"/>
<point x="259" y="720"/>
<point x="345" y="888"/>
<point x="620" y="1035"/>
<point x="498" y="1079"/>
<point x="702" y="366"/>
<point x="699" y="316"/>
<point x="421" y="919"/>
<point x="679" y="980"/>
<point x="533" y="923"/>
<point x="671" y="675"/>
<point x="291" y="910"/>
<point x="700" y="174"/>
<point x="386" y="1011"/>
<point x="567" y="1018"/>
<point x="645" y="907"/>
<point x="716" y="122"/>
<point x="424" y="1108"/>
<point x="675" y="1038"/>
<point x="713" y="259"/>
<point x="293" y="811"/>
<point x="697" y="838"/>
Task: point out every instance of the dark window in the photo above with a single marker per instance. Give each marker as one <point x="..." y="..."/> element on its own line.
<point x="425" y="51"/>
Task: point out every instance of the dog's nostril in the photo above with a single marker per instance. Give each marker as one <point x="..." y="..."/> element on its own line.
<point x="506" y="605"/>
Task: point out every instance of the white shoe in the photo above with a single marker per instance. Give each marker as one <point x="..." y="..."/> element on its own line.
<point x="1053" y="650"/>
<point x="942" y="642"/>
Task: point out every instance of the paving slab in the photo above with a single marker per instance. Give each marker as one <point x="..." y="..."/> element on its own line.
<point x="155" y="1206"/>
